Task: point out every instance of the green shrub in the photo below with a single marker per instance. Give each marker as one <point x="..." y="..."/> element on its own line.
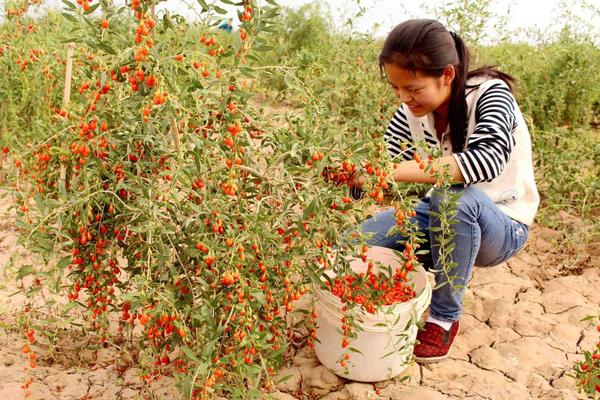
<point x="557" y="80"/>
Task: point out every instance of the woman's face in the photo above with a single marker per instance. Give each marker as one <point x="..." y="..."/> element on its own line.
<point x="421" y="93"/>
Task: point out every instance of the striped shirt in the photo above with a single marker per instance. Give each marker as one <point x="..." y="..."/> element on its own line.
<point x="488" y="148"/>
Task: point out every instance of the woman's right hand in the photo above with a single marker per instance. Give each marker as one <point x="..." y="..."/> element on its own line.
<point x="357" y="180"/>
<point x="341" y="177"/>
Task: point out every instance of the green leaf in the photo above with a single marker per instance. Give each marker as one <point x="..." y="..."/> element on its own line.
<point x="58" y="281"/>
<point x="197" y="161"/>
<point x="68" y="307"/>
<point x="24" y="271"/>
<point x="269" y="14"/>
<point x="189" y="353"/>
<point x="259" y="296"/>
<point x="106" y="48"/>
<point x="390" y="353"/>
<point x="51" y="203"/>
<point x="70" y="5"/>
<point x="263" y="48"/>
<point x="312" y="206"/>
<point x="22" y="224"/>
<point x="328" y="279"/>
<point x="187" y="388"/>
<point x="283" y="379"/>
<point x="191" y="252"/>
<point x="168" y="21"/>
<point x="247" y="71"/>
<point x="269" y="29"/>
<point x="64" y="262"/>
<point x="70" y="17"/>
<point x="219" y="10"/>
<point x="203" y="5"/>
<point x="242" y="93"/>
<point x="117" y="34"/>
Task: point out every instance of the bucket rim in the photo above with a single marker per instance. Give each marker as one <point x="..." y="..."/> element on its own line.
<point x="418" y="304"/>
<point x="317" y="290"/>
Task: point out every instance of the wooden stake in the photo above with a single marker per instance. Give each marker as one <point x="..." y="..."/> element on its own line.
<point x="62" y="179"/>
<point x="68" y="76"/>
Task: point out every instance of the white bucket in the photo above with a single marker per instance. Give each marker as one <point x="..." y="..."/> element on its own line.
<point x="385" y="339"/>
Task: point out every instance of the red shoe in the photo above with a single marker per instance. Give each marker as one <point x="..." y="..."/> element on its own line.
<point x="434" y="342"/>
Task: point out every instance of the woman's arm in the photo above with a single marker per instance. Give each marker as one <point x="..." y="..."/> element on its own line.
<point x="409" y="171"/>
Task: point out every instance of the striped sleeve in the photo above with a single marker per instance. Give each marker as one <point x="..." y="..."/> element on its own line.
<point x="489" y="147"/>
<point x="397" y="133"/>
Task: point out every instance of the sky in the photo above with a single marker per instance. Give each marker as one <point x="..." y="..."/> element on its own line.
<point x="520" y="14"/>
<point x="389" y="13"/>
<point x="524" y="13"/>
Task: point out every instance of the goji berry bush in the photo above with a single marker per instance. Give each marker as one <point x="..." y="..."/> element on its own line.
<point x="587" y="372"/>
<point x="161" y="201"/>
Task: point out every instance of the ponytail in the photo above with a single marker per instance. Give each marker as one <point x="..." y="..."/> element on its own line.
<point x="493" y="72"/>
<point x="457" y="110"/>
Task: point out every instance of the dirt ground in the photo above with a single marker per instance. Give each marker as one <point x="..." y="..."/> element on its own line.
<point x="520" y="334"/>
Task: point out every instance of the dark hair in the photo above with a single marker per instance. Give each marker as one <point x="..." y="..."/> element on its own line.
<point x="425" y="45"/>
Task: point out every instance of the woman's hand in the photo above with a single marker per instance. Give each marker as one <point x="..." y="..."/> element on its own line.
<point x="338" y="176"/>
<point x="357" y="180"/>
<point x="341" y="176"/>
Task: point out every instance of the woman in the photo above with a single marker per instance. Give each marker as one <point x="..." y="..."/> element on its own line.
<point x="472" y="116"/>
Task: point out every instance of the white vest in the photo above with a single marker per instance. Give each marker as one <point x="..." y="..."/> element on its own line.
<point x="514" y="190"/>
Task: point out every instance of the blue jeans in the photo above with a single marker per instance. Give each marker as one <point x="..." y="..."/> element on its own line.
<point x="485" y="237"/>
